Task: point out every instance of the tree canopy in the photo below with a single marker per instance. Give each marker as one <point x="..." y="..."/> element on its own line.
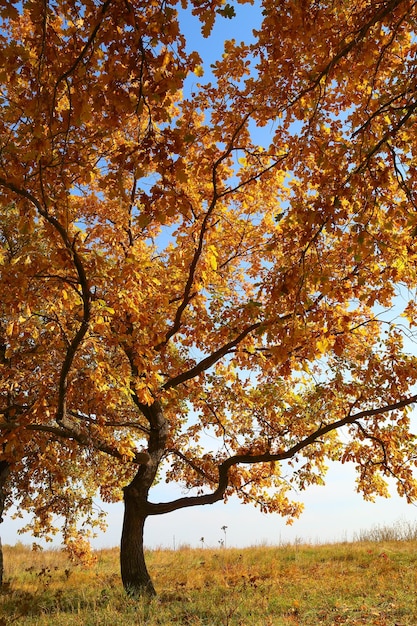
<point x="188" y="249"/>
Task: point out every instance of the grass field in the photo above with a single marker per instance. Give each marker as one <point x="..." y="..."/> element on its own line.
<point x="365" y="582"/>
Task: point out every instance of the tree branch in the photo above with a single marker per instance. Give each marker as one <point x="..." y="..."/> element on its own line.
<point x="140" y="458"/>
<point x="85" y="295"/>
<point x="83" y="52"/>
<point x="344" y="51"/>
<point x="203" y="229"/>
<point x="268" y="457"/>
<point x="206" y="363"/>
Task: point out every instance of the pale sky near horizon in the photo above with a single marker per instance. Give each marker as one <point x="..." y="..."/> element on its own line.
<point x="334" y="512"/>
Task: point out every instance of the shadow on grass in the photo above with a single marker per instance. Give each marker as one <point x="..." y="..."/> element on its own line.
<point x="17" y="604"/>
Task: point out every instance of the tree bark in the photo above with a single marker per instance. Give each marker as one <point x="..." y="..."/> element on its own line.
<point x="4" y="473"/>
<point x="135" y="575"/>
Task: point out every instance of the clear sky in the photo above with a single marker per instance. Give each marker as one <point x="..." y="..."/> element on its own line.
<point x="334" y="512"/>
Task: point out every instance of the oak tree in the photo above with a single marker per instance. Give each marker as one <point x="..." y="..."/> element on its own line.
<point x="188" y="248"/>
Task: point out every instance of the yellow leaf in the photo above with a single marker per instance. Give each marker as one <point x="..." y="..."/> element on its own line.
<point x="212" y="257"/>
<point x="323" y="344"/>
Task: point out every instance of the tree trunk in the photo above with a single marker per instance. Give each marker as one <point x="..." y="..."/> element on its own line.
<point x="135" y="575"/>
<point x="4" y="472"/>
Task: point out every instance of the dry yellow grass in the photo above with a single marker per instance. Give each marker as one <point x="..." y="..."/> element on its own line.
<point x="368" y="583"/>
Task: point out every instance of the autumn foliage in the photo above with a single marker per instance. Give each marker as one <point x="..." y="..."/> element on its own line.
<point x="190" y="248"/>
